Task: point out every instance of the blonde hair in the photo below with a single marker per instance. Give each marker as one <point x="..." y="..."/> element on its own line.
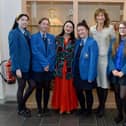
<point x="117" y="42"/>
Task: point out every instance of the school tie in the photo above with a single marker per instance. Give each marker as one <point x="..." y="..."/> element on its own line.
<point x="82" y="43"/>
<point x="27" y="38"/>
<point x="45" y="41"/>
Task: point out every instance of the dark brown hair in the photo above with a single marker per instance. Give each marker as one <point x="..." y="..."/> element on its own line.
<point x="42" y="19"/>
<point x="15" y="25"/>
<point x="72" y="35"/>
<point x="84" y="24"/>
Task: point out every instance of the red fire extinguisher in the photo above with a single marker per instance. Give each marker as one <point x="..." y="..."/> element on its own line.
<point x="10" y="78"/>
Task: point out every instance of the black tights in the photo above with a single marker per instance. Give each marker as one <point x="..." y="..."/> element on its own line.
<point x="89" y="99"/>
<point x="120" y="98"/>
<point x="22" y="95"/>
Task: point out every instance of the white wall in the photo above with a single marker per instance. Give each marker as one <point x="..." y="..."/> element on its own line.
<point x="8" y="12"/>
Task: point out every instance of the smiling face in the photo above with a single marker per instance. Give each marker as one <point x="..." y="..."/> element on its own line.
<point x="68" y="28"/>
<point x="23" y="22"/>
<point x="82" y="32"/>
<point x="122" y="30"/>
<point x="100" y="18"/>
<point x="44" y="26"/>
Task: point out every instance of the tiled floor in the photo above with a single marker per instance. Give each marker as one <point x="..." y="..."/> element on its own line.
<point x="9" y="117"/>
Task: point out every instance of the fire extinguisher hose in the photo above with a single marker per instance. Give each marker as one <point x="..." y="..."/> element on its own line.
<point x="2" y="76"/>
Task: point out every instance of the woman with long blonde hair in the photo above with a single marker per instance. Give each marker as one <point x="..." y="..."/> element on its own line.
<point x="117" y="70"/>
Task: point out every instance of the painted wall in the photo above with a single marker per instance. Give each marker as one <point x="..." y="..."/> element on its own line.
<point x="8" y="12"/>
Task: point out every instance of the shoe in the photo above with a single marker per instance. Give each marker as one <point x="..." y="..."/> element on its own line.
<point x="88" y="113"/>
<point x="124" y="124"/>
<point x="97" y="110"/>
<point x="118" y="118"/>
<point x="45" y="110"/>
<point x="68" y="112"/>
<point x="27" y="110"/>
<point x="61" y="112"/>
<point x="80" y="112"/>
<point x="100" y="113"/>
<point x="24" y="113"/>
<point x="40" y="114"/>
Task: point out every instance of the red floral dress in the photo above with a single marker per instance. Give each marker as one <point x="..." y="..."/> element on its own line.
<point x="64" y="96"/>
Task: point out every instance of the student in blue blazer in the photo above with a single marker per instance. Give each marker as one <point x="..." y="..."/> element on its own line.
<point x="20" y="55"/>
<point x="117" y="71"/>
<point x="85" y="67"/>
<point x="43" y="62"/>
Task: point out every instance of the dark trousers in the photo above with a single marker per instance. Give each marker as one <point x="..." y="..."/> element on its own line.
<point x="45" y="84"/>
<point x="22" y="93"/>
<point x="85" y="99"/>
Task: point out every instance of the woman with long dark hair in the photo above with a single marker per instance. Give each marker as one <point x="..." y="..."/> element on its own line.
<point x="20" y="55"/>
<point x="64" y="97"/>
<point x="117" y="71"/>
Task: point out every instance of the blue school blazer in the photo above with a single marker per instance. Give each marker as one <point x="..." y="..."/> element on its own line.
<point x="39" y="57"/>
<point x="19" y="50"/>
<point x="88" y="59"/>
<point x="111" y="61"/>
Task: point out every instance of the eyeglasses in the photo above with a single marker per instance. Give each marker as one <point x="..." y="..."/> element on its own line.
<point x="122" y="27"/>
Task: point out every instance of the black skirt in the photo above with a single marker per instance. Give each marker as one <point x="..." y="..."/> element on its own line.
<point x="25" y="75"/>
<point x="40" y="76"/>
<point x="84" y="84"/>
<point x="116" y="80"/>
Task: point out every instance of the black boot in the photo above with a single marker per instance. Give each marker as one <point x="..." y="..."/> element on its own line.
<point x="124" y="106"/>
<point x="99" y="99"/>
<point x="81" y="99"/>
<point x="103" y="97"/>
<point x="124" y="123"/>
<point x="89" y="101"/>
<point x="118" y="118"/>
<point x="119" y="106"/>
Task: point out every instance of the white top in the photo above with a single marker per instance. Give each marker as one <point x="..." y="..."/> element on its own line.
<point x="103" y="38"/>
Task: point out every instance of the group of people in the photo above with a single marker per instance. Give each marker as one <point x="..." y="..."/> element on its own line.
<point x="77" y="65"/>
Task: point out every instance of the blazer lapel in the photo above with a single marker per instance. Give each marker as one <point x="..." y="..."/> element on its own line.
<point x="84" y="47"/>
<point x="41" y="43"/>
<point x="23" y="40"/>
<point x="48" y="42"/>
<point x="77" y="46"/>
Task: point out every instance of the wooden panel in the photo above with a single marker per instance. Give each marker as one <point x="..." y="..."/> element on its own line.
<point x="103" y="1"/>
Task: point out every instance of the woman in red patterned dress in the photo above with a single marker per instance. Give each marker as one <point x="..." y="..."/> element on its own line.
<point x="64" y="97"/>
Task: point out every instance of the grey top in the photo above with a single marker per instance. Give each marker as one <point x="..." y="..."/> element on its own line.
<point x="103" y="38"/>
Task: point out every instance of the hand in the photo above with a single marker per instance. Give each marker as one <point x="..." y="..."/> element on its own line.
<point x="120" y="74"/>
<point x="18" y="73"/>
<point x="115" y="72"/>
<point x="46" y="68"/>
<point x="89" y="81"/>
